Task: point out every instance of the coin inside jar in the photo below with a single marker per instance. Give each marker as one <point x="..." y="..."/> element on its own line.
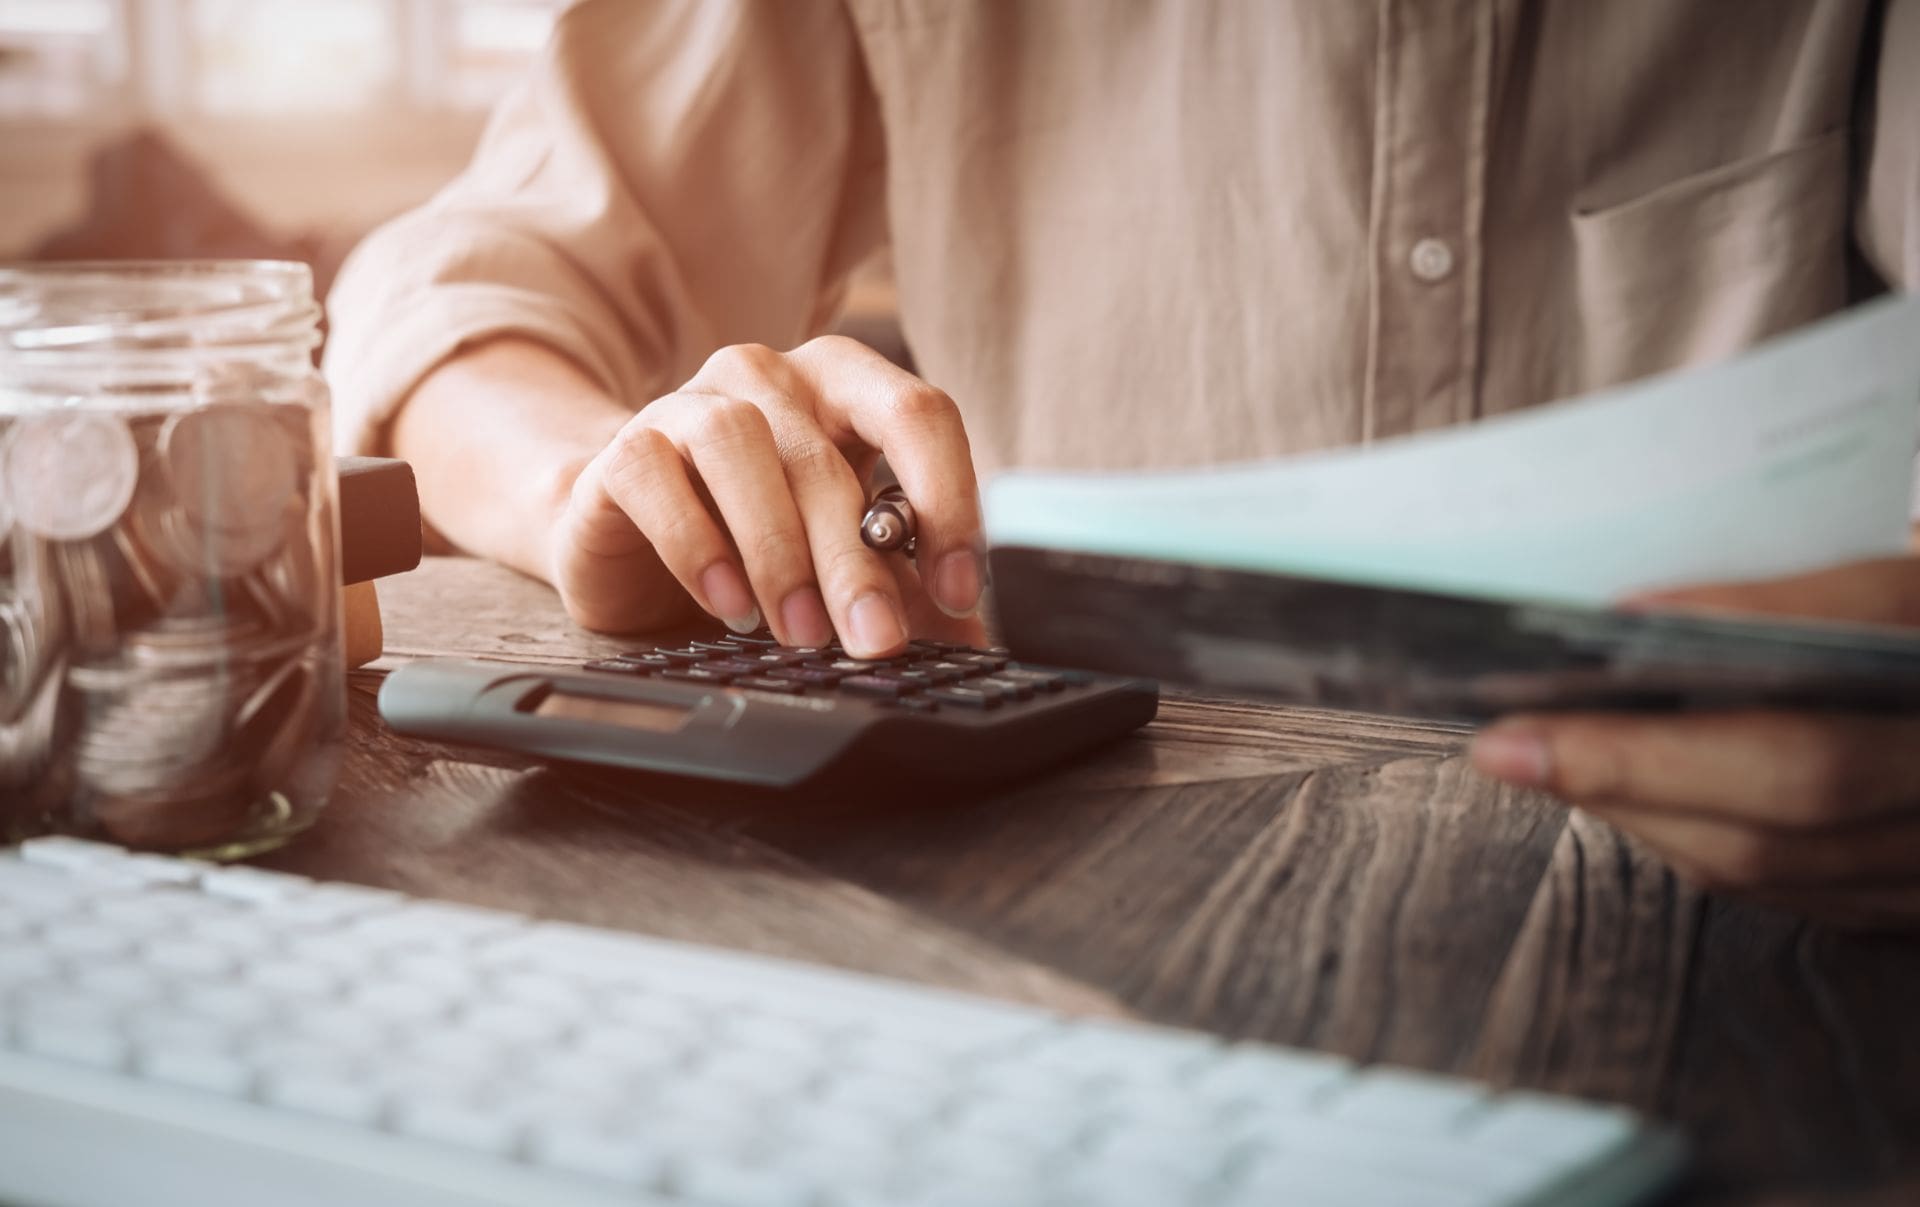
<point x="229" y="464"/>
<point x="231" y="471"/>
<point x="69" y="474"/>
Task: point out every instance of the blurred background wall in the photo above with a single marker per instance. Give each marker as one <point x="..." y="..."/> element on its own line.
<point x="271" y="128"/>
<point x="240" y="127"/>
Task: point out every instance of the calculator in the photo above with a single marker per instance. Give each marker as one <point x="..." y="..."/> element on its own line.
<point x="743" y="709"/>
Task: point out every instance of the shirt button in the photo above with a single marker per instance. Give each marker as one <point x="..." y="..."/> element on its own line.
<point x="1431" y="260"/>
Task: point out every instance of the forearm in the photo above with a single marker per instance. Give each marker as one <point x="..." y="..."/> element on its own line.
<point x="496" y="435"/>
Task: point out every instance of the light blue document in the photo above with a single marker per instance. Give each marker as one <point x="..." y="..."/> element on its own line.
<point x="1797" y="455"/>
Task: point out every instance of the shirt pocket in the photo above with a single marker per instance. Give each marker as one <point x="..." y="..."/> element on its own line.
<point x="1706" y="265"/>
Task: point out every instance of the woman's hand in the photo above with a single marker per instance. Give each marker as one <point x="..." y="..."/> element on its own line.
<point x="742" y="492"/>
<point x="1816" y="810"/>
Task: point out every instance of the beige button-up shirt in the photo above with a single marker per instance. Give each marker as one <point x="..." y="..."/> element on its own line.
<point x="1159" y="232"/>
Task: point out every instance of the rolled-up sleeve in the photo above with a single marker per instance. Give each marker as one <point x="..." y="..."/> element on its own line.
<point x="673" y="177"/>
<point x="1888" y="221"/>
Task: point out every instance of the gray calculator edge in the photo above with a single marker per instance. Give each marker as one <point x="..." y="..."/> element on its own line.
<point x="751" y="738"/>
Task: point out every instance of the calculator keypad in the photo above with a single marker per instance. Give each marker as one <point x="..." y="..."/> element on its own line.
<point x="927" y="676"/>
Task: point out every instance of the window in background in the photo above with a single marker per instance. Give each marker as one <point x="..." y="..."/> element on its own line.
<point x="280" y="56"/>
<point x="61" y="58"/>
<point x="269" y="58"/>
<point x="491" y="44"/>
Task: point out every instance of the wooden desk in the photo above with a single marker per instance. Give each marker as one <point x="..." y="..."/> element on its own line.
<point x="1310" y="878"/>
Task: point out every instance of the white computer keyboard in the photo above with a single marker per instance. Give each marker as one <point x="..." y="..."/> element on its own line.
<point x="174" y="1033"/>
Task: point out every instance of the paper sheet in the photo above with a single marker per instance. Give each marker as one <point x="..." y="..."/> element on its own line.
<point x="1797" y="455"/>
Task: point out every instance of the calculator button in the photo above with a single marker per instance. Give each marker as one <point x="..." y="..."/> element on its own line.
<point x="810" y="676"/>
<point x="874" y="685"/>
<point x="697" y="674"/>
<point x="716" y="649"/>
<point x="966" y="697"/>
<point x="861" y="666"/>
<point x="938" y="647"/>
<point x="736" y="666"/>
<point x="772" y="658"/>
<point x="687" y="655"/>
<point x="1043" y="681"/>
<point x="938" y="675"/>
<point x="619" y="666"/>
<point x="907" y="676"/>
<point x="754" y="641"/>
<point x="950" y="669"/>
<point x="1006" y="687"/>
<point x="647" y="658"/>
<point x="992" y="662"/>
<point x="764" y="683"/>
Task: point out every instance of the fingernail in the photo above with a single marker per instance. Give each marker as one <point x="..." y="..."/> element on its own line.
<point x="804" y="615"/>
<point x="728" y="596"/>
<point x="1517" y="756"/>
<point x="956" y="584"/>
<point x="876" y="626"/>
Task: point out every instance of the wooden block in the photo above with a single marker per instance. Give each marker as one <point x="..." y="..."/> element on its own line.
<point x="365" y="639"/>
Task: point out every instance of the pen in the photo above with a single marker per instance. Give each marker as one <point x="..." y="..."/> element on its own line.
<point x="888" y="524"/>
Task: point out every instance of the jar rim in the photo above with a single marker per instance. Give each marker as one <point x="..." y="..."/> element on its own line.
<point x="74" y="306"/>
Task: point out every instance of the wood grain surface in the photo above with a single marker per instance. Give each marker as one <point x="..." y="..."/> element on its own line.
<point x="1327" y="880"/>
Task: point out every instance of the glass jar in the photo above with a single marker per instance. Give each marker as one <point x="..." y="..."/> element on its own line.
<point x="170" y="648"/>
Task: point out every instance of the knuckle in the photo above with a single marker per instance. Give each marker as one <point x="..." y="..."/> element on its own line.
<point x="831" y="346"/>
<point x="728" y="423"/>
<point x="685" y="537"/>
<point x="636" y="457"/>
<point x="813" y="462"/>
<point x="851" y="568"/>
<point x="920" y="405"/>
<point x="740" y="360"/>
<point x="778" y="549"/>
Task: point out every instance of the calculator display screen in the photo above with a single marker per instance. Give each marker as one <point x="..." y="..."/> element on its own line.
<point x="628" y="714"/>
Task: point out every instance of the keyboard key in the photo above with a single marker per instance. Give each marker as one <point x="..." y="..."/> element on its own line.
<point x="762" y="640"/>
<point x="255" y="886"/>
<point x="1550" y="1129"/>
<point x="86" y="1037"/>
<point x="708" y="1181"/>
<point x="716" y="649"/>
<point x="186" y="958"/>
<point x="481" y="1127"/>
<point x="1416" y="1103"/>
<point x="70" y="854"/>
<point x="330" y="1094"/>
<point x="206" y="1068"/>
<point x="617" y="1156"/>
